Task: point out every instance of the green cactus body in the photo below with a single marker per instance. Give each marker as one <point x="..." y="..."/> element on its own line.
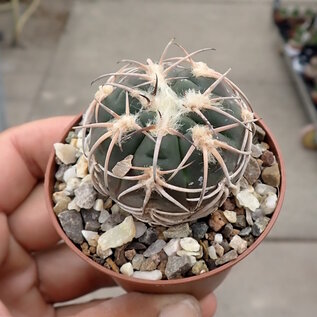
<point x="168" y="140"/>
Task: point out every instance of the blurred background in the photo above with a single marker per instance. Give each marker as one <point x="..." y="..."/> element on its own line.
<point x="62" y="45"/>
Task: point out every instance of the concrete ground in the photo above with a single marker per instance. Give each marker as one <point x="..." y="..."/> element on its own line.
<point x="51" y="76"/>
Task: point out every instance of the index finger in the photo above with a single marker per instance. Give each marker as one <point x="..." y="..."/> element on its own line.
<point x="23" y="157"/>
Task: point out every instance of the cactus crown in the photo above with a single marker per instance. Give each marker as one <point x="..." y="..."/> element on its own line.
<point x="167" y="140"/>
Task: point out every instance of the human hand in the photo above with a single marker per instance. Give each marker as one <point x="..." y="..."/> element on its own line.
<point x="36" y="271"/>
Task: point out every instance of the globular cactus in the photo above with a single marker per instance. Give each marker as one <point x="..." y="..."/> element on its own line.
<point x="168" y="140"/>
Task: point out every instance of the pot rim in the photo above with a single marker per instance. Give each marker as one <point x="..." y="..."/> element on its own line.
<point x="48" y="188"/>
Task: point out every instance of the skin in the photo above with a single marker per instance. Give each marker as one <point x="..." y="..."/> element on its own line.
<point x="36" y="271"/>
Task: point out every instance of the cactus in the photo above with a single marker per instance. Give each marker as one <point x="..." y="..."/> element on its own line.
<point x="168" y="140"/>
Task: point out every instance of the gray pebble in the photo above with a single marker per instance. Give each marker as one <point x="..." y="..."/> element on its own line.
<point x="259" y="226"/>
<point x="112" y="221"/>
<point x="91" y="219"/>
<point x="245" y="232"/>
<point x="85" y="196"/>
<point x="241" y="222"/>
<point x="154" y="248"/>
<point x="59" y="175"/>
<point x="180" y="231"/>
<point x="149" y="236"/>
<point x="253" y="171"/>
<point x="227" y="257"/>
<point x="177" y="266"/>
<point x="199" y="230"/>
<point x="72" y="224"/>
<point x="137" y="261"/>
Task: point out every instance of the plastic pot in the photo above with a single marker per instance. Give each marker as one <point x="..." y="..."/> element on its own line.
<point x="198" y="286"/>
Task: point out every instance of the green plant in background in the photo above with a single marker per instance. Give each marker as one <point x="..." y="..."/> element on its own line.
<point x="168" y="140"/>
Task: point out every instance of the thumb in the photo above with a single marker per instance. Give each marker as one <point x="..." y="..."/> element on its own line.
<point x="137" y="304"/>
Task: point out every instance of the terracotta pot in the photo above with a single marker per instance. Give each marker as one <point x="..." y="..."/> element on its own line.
<point x="198" y="286"/>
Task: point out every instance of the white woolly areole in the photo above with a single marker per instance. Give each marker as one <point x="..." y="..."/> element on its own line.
<point x="195" y="100"/>
<point x="201" y="69"/>
<point x="103" y="92"/>
<point x="124" y="124"/>
<point x="246" y="115"/>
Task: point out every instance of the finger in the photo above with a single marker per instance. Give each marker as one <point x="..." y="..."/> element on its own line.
<point x="137" y="304"/>
<point x="209" y="305"/>
<point x="64" y="276"/>
<point x="30" y="223"/>
<point x="4" y="238"/>
<point x="24" y="155"/>
<point x="4" y="311"/>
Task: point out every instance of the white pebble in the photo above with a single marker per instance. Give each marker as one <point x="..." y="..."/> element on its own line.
<point x="196" y="254"/>
<point x="59" y="196"/>
<point x="238" y="244"/>
<point x="108" y="203"/>
<point x="218" y="238"/>
<point x="72" y="185"/>
<point x="140" y="228"/>
<point x="189" y="244"/>
<point x="230" y="215"/>
<point x="172" y="247"/>
<point x="248" y="217"/>
<point x="104" y="215"/>
<point x="98" y="205"/>
<point x="115" y="208"/>
<point x="73" y="206"/>
<point x="86" y="179"/>
<point x="70" y="173"/>
<point x="118" y="235"/>
<point x="263" y="189"/>
<point x="212" y="252"/>
<point x="103" y="253"/>
<point x="127" y="269"/>
<point x="66" y="153"/>
<point x="219" y="249"/>
<point x="150" y="275"/>
<point x="269" y="204"/>
<point x="91" y="237"/>
<point x="82" y="167"/>
<point x="248" y="200"/>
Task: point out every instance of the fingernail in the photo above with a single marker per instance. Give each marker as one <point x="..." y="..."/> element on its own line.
<point x="184" y="308"/>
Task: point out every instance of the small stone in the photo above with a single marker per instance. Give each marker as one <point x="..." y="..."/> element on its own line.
<point x="264" y="146"/>
<point x="87" y="179"/>
<point x="199" y="230"/>
<point x="204" y="244"/>
<point x="136" y="246"/>
<point x="248" y="217"/>
<point x="119" y="235"/>
<point x="253" y="171"/>
<point x="228" y="204"/>
<point x="180" y="231"/>
<point x="152" y="275"/>
<point x="248" y="200"/>
<point x="225" y="245"/>
<point x="238" y="244"/>
<point x="71" y="135"/>
<point x="229" y="256"/>
<point x="85" y="196"/>
<point x="60" y="186"/>
<point x="85" y="248"/>
<point x="268" y="158"/>
<point x="140" y="228"/>
<point x="177" y="266"/>
<point x="70" y="173"/>
<point x="119" y="257"/>
<point x="71" y="185"/>
<point x="103" y="253"/>
<point x="148" y="265"/>
<point x="256" y="151"/>
<point x="66" y="153"/>
<point x="103" y="216"/>
<point x="172" y="247"/>
<point x="230" y="215"/>
<point x="91" y="237"/>
<point x="72" y="224"/>
<point x="59" y="175"/>
<point x="82" y="167"/>
<point x="92" y="249"/>
<point x="217" y="221"/>
<point x="219" y="249"/>
<point x="137" y="261"/>
<point x="227" y="231"/>
<point x="108" y="204"/>
<point x="98" y="205"/>
<point x="263" y="189"/>
<point x="250" y="239"/>
<point x="115" y="209"/>
<point x="269" y="204"/>
<point x="189" y="244"/>
<point x="245" y="232"/>
<point x="149" y="236"/>
<point x="127" y="269"/>
<point x="241" y="222"/>
<point x="112" y="221"/>
<point x="129" y="254"/>
<point x="199" y="267"/>
<point x="210" y="264"/>
<point x="259" y="226"/>
<point x="196" y="254"/>
<point x="73" y="206"/>
<point x="154" y="248"/>
<point x="271" y="175"/>
<point x="259" y="133"/>
<point x="212" y="252"/>
<point x="62" y="204"/>
<point x="91" y="219"/>
<point x="112" y="265"/>
<point x="123" y="167"/>
<point x="218" y="238"/>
